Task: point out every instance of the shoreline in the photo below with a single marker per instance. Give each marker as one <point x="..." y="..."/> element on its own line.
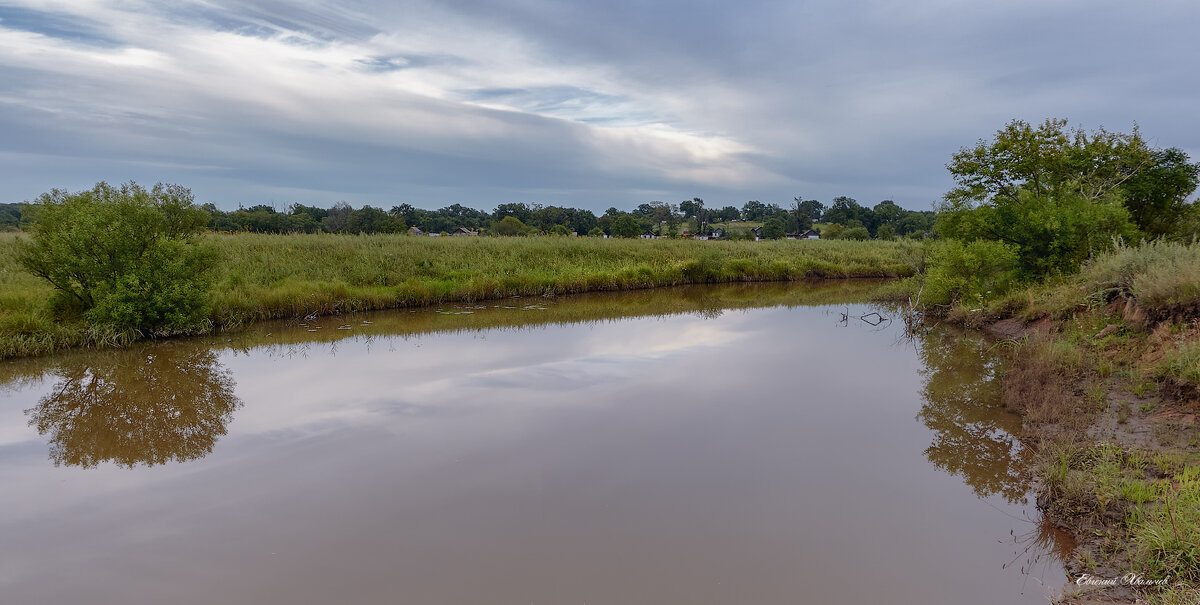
<point x="266" y="277"/>
<point x="1116" y="449"/>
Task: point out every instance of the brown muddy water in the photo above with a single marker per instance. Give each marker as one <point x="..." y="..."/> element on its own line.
<point x="733" y="444"/>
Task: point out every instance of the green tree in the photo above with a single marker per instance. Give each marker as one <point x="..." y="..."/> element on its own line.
<point x="1044" y="162"/>
<point x="689" y="208"/>
<point x="337" y="218"/>
<point x="887" y="213"/>
<point x="809" y="208"/>
<point x="847" y="211"/>
<point x="800" y="218"/>
<point x="123" y="257"/>
<point x="1053" y="235"/>
<point x="1053" y="194"/>
<point x="885" y="232"/>
<point x="518" y="210"/>
<point x="1157" y="195"/>
<point x="507" y="226"/>
<point x="774" y="228"/>
<point x="369" y="219"/>
<point x="751" y="211"/>
<point x="626" y="226"/>
<point x="10" y="217"/>
<point x="313" y="213"/>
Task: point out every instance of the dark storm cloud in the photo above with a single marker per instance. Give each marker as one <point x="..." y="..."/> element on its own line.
<point x="595" y="104"/>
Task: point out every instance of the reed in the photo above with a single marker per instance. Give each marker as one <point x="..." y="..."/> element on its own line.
<point x="264" y="276"/>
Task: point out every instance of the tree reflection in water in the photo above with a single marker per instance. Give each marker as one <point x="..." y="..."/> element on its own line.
<point x="974" y="436"/>
<point x="149" y="406"/>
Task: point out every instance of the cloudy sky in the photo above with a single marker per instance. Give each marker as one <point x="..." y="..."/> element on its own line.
<point x="592" y="104"/>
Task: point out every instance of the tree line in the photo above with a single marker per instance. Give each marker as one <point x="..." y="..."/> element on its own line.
<point x="843" y="218"/>
<point x="846" y="218"/>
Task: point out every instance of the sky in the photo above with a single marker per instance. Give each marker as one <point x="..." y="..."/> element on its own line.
<point x="585" y="104"/>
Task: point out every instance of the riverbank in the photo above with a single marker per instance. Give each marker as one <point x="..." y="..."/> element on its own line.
<point x="264" y="277"/>
<point x="1104" y="367"/>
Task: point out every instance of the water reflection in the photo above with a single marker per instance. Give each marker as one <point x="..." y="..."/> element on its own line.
<point x="658" y="447"/>
<point x="150" y="405"/>
<point x="157" y="403"/>
<point x="975" y="438"/>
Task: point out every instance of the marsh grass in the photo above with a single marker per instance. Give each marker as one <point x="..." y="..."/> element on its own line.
<point x="1182" y="365"/>
<point x="1136" y="511"/>
<point x="264" y="276"/>
<point x="1157" y="274"/>
<point x="1152" y="501"/>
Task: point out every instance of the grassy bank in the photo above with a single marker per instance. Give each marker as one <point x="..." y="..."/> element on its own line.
<point x="1104" y="366"/>
<point x="278" y="276"/>
<point x="287" y="337"/>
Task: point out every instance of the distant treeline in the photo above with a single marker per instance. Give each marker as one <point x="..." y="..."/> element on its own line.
<point x="10" y="217"/>
<point x="845" y="218"/>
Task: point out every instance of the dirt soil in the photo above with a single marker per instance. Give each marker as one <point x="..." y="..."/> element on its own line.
<point x="1161" y="420"/>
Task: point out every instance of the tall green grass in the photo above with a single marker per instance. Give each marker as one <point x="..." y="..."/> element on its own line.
<point x="1154" y="500"/>
<point x="275" y="276"/>
<point x="1156" y="274"/>
<point x="1161" y="278"/>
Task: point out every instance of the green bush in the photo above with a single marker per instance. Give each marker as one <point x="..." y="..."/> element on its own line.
<point x="123" y="257"/>
<point x="857" y="233"/>
<point x="774" y="228"/>
<point x="969" y="272"/>
<point x="833" y="231"/>
<point x="509" y="225"/>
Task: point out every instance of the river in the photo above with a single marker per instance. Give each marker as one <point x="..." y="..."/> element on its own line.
<point x="723" y="444"/>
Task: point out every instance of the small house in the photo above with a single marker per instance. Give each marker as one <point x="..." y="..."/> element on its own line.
<point x="463" y="231"/>
<point x="415" y="231"/>
<point x="810" y="234"/>
<point x="647" y="234"/>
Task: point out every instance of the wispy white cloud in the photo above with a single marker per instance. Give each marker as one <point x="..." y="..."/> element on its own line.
<point x="205" y="84"/>
<point x="596" y="105"/>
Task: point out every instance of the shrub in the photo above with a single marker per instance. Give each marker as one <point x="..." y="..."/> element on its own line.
<point x="857" y="233"/>
<point x="974" y="271"/>
<point x="833" y="231"/>
<point x="509" y="225"/>
<point x="1158" y="274"/>
<point x="774" y="228"/>
<point x="123" y="257"/>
